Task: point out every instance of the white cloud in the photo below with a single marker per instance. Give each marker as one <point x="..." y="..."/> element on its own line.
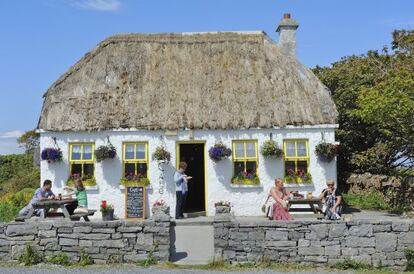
<point x="99" y="5"/>
<point x="11" y="134"/>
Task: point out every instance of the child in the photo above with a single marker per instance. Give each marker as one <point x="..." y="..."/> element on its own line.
<point x="80" y="193"/>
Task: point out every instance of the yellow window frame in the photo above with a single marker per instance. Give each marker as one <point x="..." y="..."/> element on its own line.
<point x="135" y="160"/>
<point x="296" y="158"/>
<point x="81" y="161"/>
<point x="245" y="159"/>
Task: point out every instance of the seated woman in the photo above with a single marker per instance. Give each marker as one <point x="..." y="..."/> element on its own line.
<point x="279" y="195"/>
<point x="82" y="200"/>
<point x="331" y="199"/>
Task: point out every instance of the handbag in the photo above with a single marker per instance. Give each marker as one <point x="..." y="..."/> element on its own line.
<point x="267" y="207"/>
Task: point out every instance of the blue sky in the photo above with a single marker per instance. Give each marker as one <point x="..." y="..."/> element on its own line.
<point x="41" y="39"/>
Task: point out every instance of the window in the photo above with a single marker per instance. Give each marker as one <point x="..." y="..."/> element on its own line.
<point x="296" y="155"/>
<point x="82" y="160"/>
<point x="245" y="158"/>
<point x="135" y="159"/>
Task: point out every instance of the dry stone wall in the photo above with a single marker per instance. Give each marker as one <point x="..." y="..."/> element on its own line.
<point x="105" y="242"/>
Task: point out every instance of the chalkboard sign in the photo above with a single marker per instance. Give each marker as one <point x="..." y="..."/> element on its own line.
<point x="135" y="202"/>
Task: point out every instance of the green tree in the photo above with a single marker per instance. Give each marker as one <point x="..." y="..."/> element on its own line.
<point x="29" y="140"/>
<point x="374" y="96"/>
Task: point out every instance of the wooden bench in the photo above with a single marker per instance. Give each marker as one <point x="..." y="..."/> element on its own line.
<point x="84" y="215"/>
<point x="311" y="202"/>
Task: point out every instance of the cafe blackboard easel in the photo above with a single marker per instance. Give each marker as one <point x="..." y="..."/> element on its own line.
<point x="135" y="202"/>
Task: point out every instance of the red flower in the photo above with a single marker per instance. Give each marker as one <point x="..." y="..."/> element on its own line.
<point x="103" y="204"/>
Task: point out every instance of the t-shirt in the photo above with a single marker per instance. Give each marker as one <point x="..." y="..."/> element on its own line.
<point x="40" y="193"/>
<point x="81" y="197"/>
<point x="337" y="192"/>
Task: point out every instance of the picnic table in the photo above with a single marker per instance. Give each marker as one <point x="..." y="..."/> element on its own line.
<point x="56" y="204"/>
<point x="308" y="201"/>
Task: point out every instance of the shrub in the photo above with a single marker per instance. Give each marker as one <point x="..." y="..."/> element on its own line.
<point x="219" y="152"/>
<point x="10" y="164"/>
<point x="8" y="212"/>
<point x="326" y="151"/>
<point x="351" y="264"/>
<point x="409" y="255"/>
<point x="84" y="258"/>
<point x="368" y="200"/>
<point x="161" y="154"/>
<point x="270" y="149"/>
<point x="105" y="152"/>
<point x="11" y="203"/>
<point x="150" y="260"/>
<point x="59" y="259"/>
<point x="30" y="256"/>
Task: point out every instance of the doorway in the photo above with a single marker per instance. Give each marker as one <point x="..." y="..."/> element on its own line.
<point x="193" y="155"/>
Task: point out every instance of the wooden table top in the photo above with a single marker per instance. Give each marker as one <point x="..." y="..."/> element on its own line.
<point x="304" y="200"/>
<point x="54" y="202"/>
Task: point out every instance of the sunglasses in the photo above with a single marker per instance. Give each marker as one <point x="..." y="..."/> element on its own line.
<point x="330" y="185"/>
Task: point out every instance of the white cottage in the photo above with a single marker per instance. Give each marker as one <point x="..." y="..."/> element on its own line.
<point x="187" y="92"/>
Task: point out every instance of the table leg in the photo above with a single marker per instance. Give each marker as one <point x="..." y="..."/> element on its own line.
<point x="86" y="218"/>
<point x="65" y="211"/>
<point x="313" y="208"/>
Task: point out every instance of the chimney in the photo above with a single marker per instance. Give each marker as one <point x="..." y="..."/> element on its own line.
<point x="287" y="34"/>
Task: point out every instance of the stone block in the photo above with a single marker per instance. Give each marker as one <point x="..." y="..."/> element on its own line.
<point x="85" y="243"/>
<point x="361" y="230"/>
<point x="296" y="235"/>
<point x="110" y="243"/>
<point x="406" y="238"/>
<point x="44" y="225"/>
<point x="400" y="226"/>
<point x="21" y="230"/>
<point x="48" y="241"/>
<point x="65" y="230"/>
<point x="276" y="235"/>
<point x="47" y="233"/>
<point x="353" y="241"/>
<point x="304" y="243"/>
<point x="366" y="251"/>
<point x="82" y="229"/>
<point x="281" y="244"/>
<point x="316" y="259"/>
<point x="317" y="232"/>
<point x="116" y="236"/>
<point x="68" y="242"/>
<point x="311" y="251"/>
<point x="365" y="259"/>
<point x="333" y="250"/>
<point x="385" y="242"/>
<point x="256" y="235"/>
<point x="337" y="230"/>
<point x="229" y="255"/>
<point x="129" y="235"/>
<point x="103" y="230"/>
<point x="349" y="251"/>
<point x="17" y="251"/>
<point x="239" y="236"/>
<point x="134" y="257"/>
<point x="381" y="228"/>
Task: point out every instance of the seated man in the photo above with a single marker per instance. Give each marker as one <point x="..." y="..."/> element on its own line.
<point x="331" y="199"/>
<point x="41" y="194"/>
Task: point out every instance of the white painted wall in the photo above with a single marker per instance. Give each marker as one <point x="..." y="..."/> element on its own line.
<point x="246" y="201"/>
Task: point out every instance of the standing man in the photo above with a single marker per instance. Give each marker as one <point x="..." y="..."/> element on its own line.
<point x="181" y="189"/>
<point x="41" y="194"/>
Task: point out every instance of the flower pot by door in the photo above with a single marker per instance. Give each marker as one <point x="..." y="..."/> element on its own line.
<point x="108" y="215"/>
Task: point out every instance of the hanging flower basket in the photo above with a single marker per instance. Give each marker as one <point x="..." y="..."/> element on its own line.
<point x="135" y="180"/>
<point x="51" y="155"/>
<point x="244" y="178"/>
<point x="326" y="152"/>
<point x="270" y="149"/>
<point x="161" y="154"/>
<point x="219" y="152"/>
<point x="87" y="180"/>
<point x="105" y="152"/>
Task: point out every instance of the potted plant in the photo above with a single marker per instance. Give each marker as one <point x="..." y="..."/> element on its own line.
<point x="222" y="207"/>
<point x="132" y="179"/>
<point x="290" y="177"/>
<point x="87" y="179"/>
<point x="270" y="149"/>
<point x="51" y="155"/>
<point x="219" y="152"/>
<point x="107" y="211"/>
<point x="303" y="177"/>
<point x="326" y="151"/>
<point x="161" y="155"/>
<point x="105" y="152"/>
<point x="160" y="206"/>
<point x="246" y="178"/>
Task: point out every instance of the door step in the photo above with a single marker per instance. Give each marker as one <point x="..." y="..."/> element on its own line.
<point x="194" y="214"/>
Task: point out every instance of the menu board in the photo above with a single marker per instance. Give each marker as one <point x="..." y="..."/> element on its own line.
<point x="135" y="202"/>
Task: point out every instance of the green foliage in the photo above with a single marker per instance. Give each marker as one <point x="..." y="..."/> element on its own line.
<point x="326" y="151"/>
<point x="136" y="182"/>
<point x="84" y="258"/>
<point x="29" y="140"/>
<point x="374" y="95"/>
<point x="150" y="260"/>
<point x="30" y="256"/>
<point x="409" y="255"/>
<point x="8" y="212"/>
<point x="11" y="203"/>
<point x="368" y="200"/>
<point x="352" y="264"/>
<point x="11" y="165"/>
<point x="105" y="152"/>
<point x="271" y="149"/>
<point x="59" y="259"/>
<point x="161" y="154"/>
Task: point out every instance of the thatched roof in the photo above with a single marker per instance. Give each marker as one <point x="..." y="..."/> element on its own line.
<point x="226" y="80"/>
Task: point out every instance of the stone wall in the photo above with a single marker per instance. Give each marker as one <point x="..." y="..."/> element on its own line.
<point x="397" y="191"/>
<point x="317" y="242"/>
<point x="105" y="242"/>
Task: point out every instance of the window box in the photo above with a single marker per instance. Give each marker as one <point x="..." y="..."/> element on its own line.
<point x="245" y="181"/>
<point x="139" y="182"/>
<point x="90" y="182"/>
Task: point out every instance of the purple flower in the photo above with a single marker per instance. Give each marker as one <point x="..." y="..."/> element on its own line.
<point x="218" y="152"/>
<point x="51" y="154"/>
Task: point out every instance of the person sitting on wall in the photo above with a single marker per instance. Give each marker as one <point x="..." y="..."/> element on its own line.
<point x="41" y="194"/>
<point x="331" y="199"/>
<point x="81" y="205"/>
<point x="181" y="189"/>
<point x="278" y="205"/>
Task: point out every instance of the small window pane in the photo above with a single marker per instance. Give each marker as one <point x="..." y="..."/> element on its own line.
<point x="76" y="169"/>
<point x="140" y="153"/>
<point x="239" y="150"/>
<point x="301" y="149"/>
<point x="250" y="150"/>
<point x="289" y="167"/>
<point x="88" y="170"/>
<point x="251" y="167"/>
<point x="87" y="152"/>
<point x="76" y="152"/>
<point x="290" y="149"/>
<point x="302" y="166"/>
<point x="142" y="169"/>
<point x="129" y="152"/>
<point x="238" y="168"/>
<point x="129" y="169"/>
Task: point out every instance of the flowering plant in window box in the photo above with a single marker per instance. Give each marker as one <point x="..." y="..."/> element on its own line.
<point x="290" y="177"/>
<point x="219" y="152"/>
<point x="87" y="179"/>
<point x="105" y="152"/>
<point x="51" y="155"/>
<point x="245" y="178"/>
<point x="326" y="152"/>
<point x="160" y="206"/>
<point x="107" y="211"/>
<point x="270" y="149"/>
<point x="161" y="154"/>
<point x="303" y="177"/>
<point x="131" y="179"/>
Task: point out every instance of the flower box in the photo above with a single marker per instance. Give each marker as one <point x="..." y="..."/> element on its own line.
<point x="245" y="181"/>
<point x="87" y="181"/>
<point x="135" y="182"/>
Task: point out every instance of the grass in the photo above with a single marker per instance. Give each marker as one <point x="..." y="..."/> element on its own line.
<point x="370" y="200"/>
